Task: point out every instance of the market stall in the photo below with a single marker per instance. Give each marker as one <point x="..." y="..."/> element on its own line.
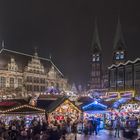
<point x="63" y="110"/>
<point x="132" y="106"/>
<point x="19" y="112"/>
<point x="96" y="110"/>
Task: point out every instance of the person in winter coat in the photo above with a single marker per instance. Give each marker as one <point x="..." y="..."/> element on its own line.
<point x="95" y="126"/>
<point x="117" y="126"/>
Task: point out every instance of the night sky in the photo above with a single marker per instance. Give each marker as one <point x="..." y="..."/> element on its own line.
<point x="64" y="29"/>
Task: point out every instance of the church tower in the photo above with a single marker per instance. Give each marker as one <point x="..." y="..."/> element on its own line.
<point x="96" y="73"/>
<point x="119" y="48"/>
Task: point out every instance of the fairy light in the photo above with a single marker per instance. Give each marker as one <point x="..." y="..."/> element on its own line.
<point x="20" y="107"/>
<point x="122" y="92"/>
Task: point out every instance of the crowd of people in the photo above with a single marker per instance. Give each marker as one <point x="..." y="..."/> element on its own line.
<point x="57" y="130"/>
<point x="37" y="130"/>
<point x="91" y="126"/>
<point x="128" y="125"/>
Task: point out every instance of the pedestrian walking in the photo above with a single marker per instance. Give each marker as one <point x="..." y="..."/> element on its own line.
<point x="94" y="126"/>
<point x="117" y="126"/>
<point x="74" y="130"/>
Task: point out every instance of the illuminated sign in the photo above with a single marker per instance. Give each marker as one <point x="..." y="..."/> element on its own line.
<point x="121" y="94"/>
<point x="127" y="94"/>
<point x="112" y="94"/>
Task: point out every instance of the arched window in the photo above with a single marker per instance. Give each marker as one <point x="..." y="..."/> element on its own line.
<point x="95" y="57"/>
<point x="122" y="55"/>
<point x="117" y="55"/>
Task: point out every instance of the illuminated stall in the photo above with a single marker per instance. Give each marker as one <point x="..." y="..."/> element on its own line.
<point x="96" y="110"/>
<point x="132" y="106"/>
<point x="26" y="112"/>
<point x="63" y="110"/>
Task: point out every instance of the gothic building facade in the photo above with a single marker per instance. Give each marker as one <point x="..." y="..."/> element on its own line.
<point x="99" y="76"/>
<point x="125" y="76"/>
<point x="96" y="64"/>
<point x="28" y="74"/>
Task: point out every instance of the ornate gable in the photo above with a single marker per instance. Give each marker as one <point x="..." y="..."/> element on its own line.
<point x="12" y="66"/>
<point x="52" y="74"/>
<point x="35" y="65"/>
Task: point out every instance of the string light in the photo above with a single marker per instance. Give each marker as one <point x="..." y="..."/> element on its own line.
<point x="123" y="92"/>
<point x="66" y="102"/>
<point x="22" y="106"/>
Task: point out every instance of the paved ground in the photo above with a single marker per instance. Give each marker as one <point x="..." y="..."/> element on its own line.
<point x="103" y="135"/>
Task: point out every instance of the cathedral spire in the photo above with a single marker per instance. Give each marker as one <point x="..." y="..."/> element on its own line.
<point x="96" y="71"/>
<point x="119" y="53"/>
<point x="95" y="41"/>
<point x="119" y="43"/>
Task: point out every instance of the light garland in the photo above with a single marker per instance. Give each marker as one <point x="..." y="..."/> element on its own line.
<point x="18" y="114"/>
<point x="74" y="106"/>
<point x="122" y="92"/>
<point x="22" y="106"/>
<point x="123" y="64"/>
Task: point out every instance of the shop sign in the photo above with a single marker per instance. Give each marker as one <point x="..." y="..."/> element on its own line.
<point x="126" y="94"/>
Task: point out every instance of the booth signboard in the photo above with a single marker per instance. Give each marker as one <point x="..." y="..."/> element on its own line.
<point x="112" y="94"/>
<point x="127" y="94"/>
<point x="120" y="94"/>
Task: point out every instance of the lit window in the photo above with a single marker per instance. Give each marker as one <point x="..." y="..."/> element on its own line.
<point x="97" y="59"/>
<point x="2" y="82"/>
<point x="93" y="59"/>
<point x="117" y="56"/>
<point x="122" y="55"/>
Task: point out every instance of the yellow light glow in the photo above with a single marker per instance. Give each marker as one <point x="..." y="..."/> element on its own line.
<point x="122" y="92"/>
<point x="28" y="106"/>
